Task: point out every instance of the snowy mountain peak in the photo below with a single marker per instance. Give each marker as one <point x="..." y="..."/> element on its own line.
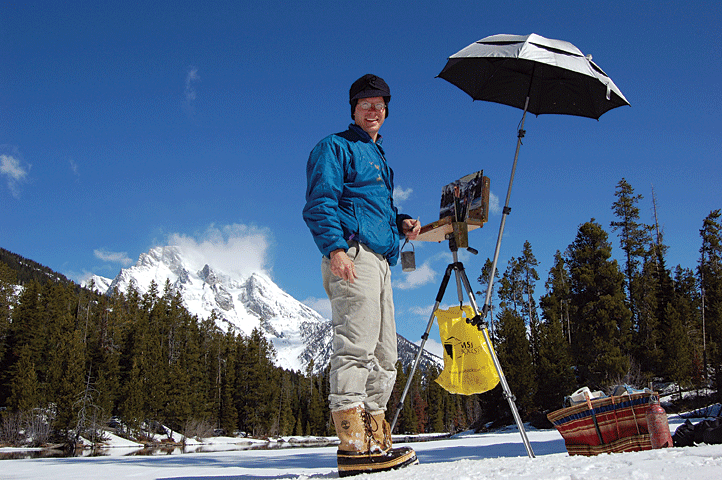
<point x="208" y="275"/>
<point x="298" y="333"/>
<point x="98" y="283"/>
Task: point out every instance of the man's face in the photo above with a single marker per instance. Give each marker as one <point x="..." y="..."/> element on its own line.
<point x="370" y="120"/>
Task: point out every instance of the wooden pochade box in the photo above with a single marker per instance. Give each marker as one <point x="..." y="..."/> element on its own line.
<point x="612" y="425"/>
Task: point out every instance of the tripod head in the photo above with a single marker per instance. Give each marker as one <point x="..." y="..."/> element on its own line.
<point x="459" y="237"/>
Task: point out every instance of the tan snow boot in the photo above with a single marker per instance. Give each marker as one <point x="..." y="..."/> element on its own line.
<point x="381" y="429"/>
<point x="358" y="451"/>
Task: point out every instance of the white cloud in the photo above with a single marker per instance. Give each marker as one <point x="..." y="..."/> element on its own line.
<point x="191" y="77"/>
<point x="494" y="206"/>
<point x="320" y="305"/>
<point x="401" y="195"/>
<point x="14" y="171"/>
<point x="233" y="249"/>
<point x="237" y="250"/>
<point x="425" y="310"/>
<point x="432" y="346"/>
<point x="10" y="166"/>
<point x="113" y="257"/>
<point x="421" y="276"/>
<point x="422" y="310"/>
<point x="74" y="167"/>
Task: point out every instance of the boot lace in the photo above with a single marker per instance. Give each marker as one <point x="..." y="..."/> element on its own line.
<point x="374" y="447"/>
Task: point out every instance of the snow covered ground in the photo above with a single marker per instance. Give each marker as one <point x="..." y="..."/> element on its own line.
<point x="489" y="456"/>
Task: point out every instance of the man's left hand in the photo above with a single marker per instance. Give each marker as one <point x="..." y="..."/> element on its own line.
<point x="411" y="228"/>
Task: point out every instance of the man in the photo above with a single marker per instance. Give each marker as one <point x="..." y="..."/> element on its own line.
<point x="350" y="212"/>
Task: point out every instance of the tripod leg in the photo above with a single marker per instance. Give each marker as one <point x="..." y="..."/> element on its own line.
<point x="502" y="379"/>
<point x="424" y="337"/>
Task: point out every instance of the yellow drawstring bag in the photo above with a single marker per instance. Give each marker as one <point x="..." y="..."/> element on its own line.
<point x="468" y="365"/>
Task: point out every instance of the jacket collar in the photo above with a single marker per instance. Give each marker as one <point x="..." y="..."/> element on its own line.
<point x="365" y="136"/>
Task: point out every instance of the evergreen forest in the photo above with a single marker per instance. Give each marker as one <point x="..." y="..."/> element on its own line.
<point x="74" y="362"/>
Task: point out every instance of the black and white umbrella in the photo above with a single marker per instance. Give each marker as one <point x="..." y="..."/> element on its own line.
<point x="553" y="76"/>
<point x="537" y="74"/>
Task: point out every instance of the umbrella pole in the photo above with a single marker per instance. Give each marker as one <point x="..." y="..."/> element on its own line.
<point x="505" y="212"/>
<point x="487" y="303"/>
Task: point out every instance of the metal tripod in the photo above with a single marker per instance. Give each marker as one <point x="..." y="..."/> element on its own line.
<point x="462" y="280"/>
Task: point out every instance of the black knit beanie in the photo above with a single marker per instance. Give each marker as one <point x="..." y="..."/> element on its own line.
<point x="366" y="87"/>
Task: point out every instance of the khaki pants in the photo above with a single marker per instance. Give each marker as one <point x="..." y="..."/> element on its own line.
<point x="363" y="361"/>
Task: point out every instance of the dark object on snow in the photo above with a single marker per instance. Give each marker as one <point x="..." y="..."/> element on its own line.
<point x="713" y="435"/>
<point x="684" y="435"/>
<point x="706" y="431"/>
<point x="540" y="421"/>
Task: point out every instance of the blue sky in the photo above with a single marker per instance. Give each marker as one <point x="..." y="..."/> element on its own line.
<point x="130" y="126"/>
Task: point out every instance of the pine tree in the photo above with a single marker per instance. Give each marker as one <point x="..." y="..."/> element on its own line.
<point x="555" y="374"/>
<point x="511" y="287"/>
<point x="155" y="354"/>
<point x="458" y="421"/>
<point x="667" y="315"/>
<point x="286" y="420"/>
<point x="298" y="429"/>
<point x="710" y="273"/>
<point x="599" y="317"/>
<point x="405" y="420"/>
<point x="513" y="348"/>
<point x="514" y="354"/>
<point x="65" y="355"/>
<point x="105" y="349"/>
<point x="418" y="403"/>
<point x="633" y="238"/>
<point x="317" y="413"/>
<point x="203" y="368"/>
<point x="71" y="383"/>
<point x="688" y="304"/>
<point x="529" y="276"/>
<point x="26" y="331"/>
<point x="257" y="385"/>
<point x="678" y="351"/>
<point x="7" y="303"/>
<point x="213" y="349"/>
<point x="24" y="394"/>
<point x="555" y="304"/>
<point x="228" y="414"/>
<point x="435" y="400"/>
<point x="181" y="408"/>
<point x="483" y="280"/>
<point x="647" y="344"/>
<point x="135" y="337"/>
<point x="325" y="396"/>
<point x="131" y="406"/>
<point x="410" y="417"/>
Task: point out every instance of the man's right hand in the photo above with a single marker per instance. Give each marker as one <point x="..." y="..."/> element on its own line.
<point x="342" y="266"/>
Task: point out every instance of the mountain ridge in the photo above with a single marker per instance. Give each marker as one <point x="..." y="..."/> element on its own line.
<point x="299" y="334"/>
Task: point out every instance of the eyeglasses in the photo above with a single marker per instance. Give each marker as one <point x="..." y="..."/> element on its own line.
<point x="379" y="107"/>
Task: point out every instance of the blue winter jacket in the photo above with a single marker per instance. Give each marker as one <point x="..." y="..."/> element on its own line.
<point x="349" y="195"/>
